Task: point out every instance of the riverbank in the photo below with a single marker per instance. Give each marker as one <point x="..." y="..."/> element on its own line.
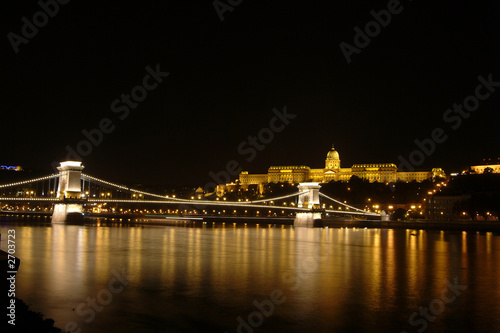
<point x="331" y="223"/>
<point x="30" y="321"/>
<point x="19" y="317"/>
<point x="197" y="220"/>
<point x="424" y="225"/>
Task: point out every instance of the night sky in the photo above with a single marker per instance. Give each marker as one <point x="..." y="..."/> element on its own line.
<point x="226" y="77"/>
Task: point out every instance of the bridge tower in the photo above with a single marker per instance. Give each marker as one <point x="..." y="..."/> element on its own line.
<point x="70" y="175"/>
<point x="309" y="199"/>
<point x="69" y="192"/>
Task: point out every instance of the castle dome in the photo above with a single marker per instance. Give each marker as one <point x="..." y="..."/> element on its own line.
<point x="333" y="154"/>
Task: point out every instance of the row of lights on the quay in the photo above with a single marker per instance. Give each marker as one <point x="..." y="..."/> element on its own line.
<point x="489" y="216"/>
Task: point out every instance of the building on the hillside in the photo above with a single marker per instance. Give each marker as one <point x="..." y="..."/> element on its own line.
<point x="374" y="172"/>
<point x="487" y="165"/>
<point x="445" y="207"/>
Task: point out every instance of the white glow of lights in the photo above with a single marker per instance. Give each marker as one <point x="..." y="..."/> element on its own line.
<point x="87" y="177"/>
<point x="278" y="198"/>
<point x="30" y="181"/>
<point x="71" y="164"/>
<point x="27" y="199"/>
<point x="351" y="213"/>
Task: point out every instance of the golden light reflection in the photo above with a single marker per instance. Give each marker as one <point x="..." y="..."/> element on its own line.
<point x="59" y="253"/>
<point x="330" y="265"/>
<point x="464" y="242"/>
<point x="374" y="280"/>
<point x="134" y="252"/>
<point x="82" y="260"/>
<point x="414" y="268"/>
<point x="243" y="254"/>
<point x="441" y="262"/>
<point x="308" y="268"/>
<point x="390" y="238"/>
<point x="488" y="242"/>
<point x="102" y="257"/>
<point x="167" y="260"/>
<point x="377" y="268"/>
<point x="29" y="249"/>
<point x="193" y="257"/>
<point x="390" y="265"/>
<point x="262" y="254"/>
<point x="222" y="261"/>
<point x="285" y="249"/>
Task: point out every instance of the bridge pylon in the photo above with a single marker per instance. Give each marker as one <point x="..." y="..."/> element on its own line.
<point x="70" y="175"/>
<point x="69" y="192"/>
<point x="309" y="198"/>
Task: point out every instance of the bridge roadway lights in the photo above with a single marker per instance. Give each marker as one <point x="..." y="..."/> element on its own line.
<point x="70" y="207"/>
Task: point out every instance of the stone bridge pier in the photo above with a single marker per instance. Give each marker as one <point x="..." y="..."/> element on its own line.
<point x="309" y="199"/>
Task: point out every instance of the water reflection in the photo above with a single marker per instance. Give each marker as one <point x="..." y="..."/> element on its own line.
<point x="191" y="278"/>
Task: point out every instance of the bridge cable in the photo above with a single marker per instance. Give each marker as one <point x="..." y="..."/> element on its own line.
<point x="88" y="177"/>
<point x="341" y="203"/>
<point x="30" y="181"/>
<point x="279" y="198"/>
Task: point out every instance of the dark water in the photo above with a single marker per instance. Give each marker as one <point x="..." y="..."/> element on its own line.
<point x="258" y="279"/>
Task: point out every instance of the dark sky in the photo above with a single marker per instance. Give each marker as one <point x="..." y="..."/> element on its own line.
<point x="226" y="78"/>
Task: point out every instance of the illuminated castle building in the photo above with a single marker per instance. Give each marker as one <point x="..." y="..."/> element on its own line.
<point x="487" y="165"/>
<point x="377" y="172"/>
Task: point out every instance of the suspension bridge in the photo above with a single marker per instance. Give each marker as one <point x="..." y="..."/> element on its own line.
<point x="67" y="193"/>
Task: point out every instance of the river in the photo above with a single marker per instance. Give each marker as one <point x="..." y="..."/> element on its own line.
<point x="110" y="277"/>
